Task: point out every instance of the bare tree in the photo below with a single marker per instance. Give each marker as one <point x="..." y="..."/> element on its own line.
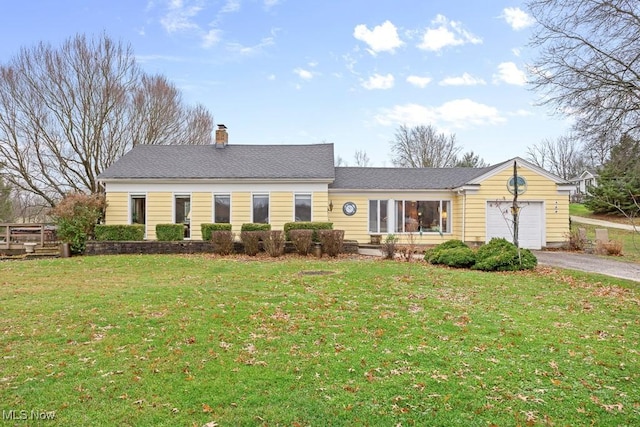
<point x="562" y="156"/>
<point x="589" y="66"/>
<point x="422" y="147"/>
<point x="471" y="160"/>
<point x="339" y="161"/>
<point x="6" y="203"/>
<point x="361" y="158"/>
<point x="68" y="113"/>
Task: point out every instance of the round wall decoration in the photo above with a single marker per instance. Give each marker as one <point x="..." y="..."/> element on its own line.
<point x="349" y="208"/>
<point x="522" y="185"/>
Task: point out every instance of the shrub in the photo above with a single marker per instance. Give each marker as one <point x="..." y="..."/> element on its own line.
<point x="301" y="240"/>
<point x="331" y="241"/>
<point x="208" y="228"/>
<point x="611" y="247"/>
<point x="253" y="226"/>
<point x="169" y="232"/>
<point x="389" y="246"/>
<point x="434" y="252"/>
<point x="251" y="241"/>
<point x="76" y="216"/>
<point x="273" y="242"/>
<point x="501" y="255"/>
<point x="576" y="240"/>
<point x="307" y="225"/>
<point x="222" y="242"/>
<point x="123" y="232"/>
<point x="462" y="257"/>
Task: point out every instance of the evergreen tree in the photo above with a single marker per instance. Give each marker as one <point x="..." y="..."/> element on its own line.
<point x="618" y="189"/>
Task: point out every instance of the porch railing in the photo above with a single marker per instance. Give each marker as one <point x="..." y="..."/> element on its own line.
<point x="14" y="236"/>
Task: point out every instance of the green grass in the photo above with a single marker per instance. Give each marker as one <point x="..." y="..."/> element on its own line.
<point x="578" y="209"/>
<point x="188" y="340"/>
<point x="630" y="240"/>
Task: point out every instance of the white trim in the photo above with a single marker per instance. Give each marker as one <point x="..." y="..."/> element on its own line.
<point x="192" y="181"/>
<point x="521" y="163"/>
<point x="183" y="194"/>
<point x="130" y="213"/>
<point x="218" y="189"/>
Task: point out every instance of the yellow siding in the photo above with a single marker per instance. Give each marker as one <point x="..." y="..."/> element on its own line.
<point x="320" y="201"/>
<point x="201" y="212"/>
<point x="280" y="209"/>
<point x="159" y="211"/>
<point x="539" y="189"/>
<point x="240" y="210"/>
<point x="117" y="208"/>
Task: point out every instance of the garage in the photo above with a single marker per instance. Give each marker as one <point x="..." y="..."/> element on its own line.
<point x="531" y="230"/>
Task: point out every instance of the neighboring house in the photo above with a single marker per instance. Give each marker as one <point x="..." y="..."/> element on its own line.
<point x="582" y="183"/>
<point x="277" y="184"/>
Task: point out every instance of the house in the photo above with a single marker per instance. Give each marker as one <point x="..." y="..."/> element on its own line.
<point x="276" y="184"/>
<point x="582" y="183"/>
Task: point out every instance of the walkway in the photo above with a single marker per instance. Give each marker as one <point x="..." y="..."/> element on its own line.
<point x="601" y="223"/>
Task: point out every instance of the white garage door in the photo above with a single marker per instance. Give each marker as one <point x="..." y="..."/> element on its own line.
<point x="531" y="223"/>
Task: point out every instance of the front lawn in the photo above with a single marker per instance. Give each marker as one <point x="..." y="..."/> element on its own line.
<point x="190" y="340"/>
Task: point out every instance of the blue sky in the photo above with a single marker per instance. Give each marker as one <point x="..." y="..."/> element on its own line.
<point x="342" y="71"/>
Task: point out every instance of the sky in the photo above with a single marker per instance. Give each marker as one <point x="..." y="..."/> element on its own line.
<point x="348" y="72"/>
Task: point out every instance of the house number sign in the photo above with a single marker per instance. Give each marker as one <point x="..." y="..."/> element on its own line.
<point x="349" y="208"/>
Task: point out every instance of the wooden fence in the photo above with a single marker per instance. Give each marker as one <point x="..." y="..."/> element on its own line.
<point x="14" y="236"/>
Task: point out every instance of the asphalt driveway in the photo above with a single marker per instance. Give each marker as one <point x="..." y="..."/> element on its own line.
<point x="589" y="263"/>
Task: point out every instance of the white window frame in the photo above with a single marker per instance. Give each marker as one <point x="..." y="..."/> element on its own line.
<point x="268" y="195"/>
<point x="213" y="207"/>
<point x="310" y="195"/>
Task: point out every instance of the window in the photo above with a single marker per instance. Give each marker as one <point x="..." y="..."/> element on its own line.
<point x="183" y="213"/>
<point x="138" y="209"/>
<point x="302" y="207"/>
<point x="422" y="216"/>
<point x="378" y="216"/>
<point x="261" y="208"/>
<point x="222" y="209"/>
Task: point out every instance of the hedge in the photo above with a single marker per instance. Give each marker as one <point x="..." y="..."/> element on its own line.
<point x="208" y="228"/>
<point x="126" y="233"/>
<point x="307" y="225"/>
<point x="253" y="226"/>
<point x="169" y="232"/>
<point x="502" y="255"/>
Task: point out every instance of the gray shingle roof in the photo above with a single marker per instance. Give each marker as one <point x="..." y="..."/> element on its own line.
<point x="314" y="161"/>
<point x="357" y="178"/>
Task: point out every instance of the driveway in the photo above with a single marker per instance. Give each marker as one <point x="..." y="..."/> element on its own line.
<point x="590" y="264"/>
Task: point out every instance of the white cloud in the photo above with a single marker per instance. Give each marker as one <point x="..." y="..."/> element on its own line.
<point x="517" y="18"/>
<point x="211" y="38"/>
<point x="443" y="33"/>
<point x="251" y="50"/>
<point x="516" y="51"/>
<point x="465" y="79"/>
<point x="378" y="81"/>
<point x="179" y="17"/>
<point x="419" y="81"/>
<point x="303" y="74"/>
<point x="230" y="6"/>
<point x="270" y="3"/>
<point x="509" y="73"/>
<point x="459" y="113"/>
<point x="383" y="38"/>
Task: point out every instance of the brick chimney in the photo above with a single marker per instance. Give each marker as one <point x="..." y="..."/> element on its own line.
<point x="222" y="137"/>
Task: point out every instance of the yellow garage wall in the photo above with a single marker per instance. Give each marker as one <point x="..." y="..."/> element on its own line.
<point x="117" y="211"/>
<point x="159" y="211"/>
<point x="240" y="210"/>
<point x="356" y="227"/>
<point x="201" y="212"/>
<point x="539" y="189"/>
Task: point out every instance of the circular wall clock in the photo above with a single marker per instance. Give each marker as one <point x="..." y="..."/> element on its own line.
<point x="349" y="208"/>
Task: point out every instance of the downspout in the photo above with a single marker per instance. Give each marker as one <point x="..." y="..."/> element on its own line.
<point x="464" y="213"/>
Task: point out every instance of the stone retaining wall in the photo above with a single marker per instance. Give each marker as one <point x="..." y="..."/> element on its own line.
<point x="181" y="247"/>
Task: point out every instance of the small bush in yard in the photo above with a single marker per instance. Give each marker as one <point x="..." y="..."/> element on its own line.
<point x="222" y="241"/>
<point x="273" y="242"/>
<point x="209" y="227"/>
<point x="389" y="246"/>
<point x="434" y="253"/>
<point x="462" y="257"/>
<point x="302" y="240"/>
<point x="120" y="232"/>
<point x="169" y="232"/>
<point x="501" y="255"/>
<point x="331" y="241"/>
<point x="576" y="240"/>
<point x="612" y="247"/>
<point x="307" y="225"/>
<point x="253" y="226"/>
<point x="251" y="241"/>
<point x="76" y="217"/>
